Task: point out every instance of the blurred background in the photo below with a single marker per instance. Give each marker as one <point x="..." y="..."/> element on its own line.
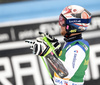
<point x="23" y="19"/>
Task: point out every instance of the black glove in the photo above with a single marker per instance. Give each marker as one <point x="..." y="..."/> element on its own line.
<point x="54" y="42"/>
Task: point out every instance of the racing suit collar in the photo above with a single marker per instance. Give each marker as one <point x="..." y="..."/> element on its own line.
<point x="72" y="38"/>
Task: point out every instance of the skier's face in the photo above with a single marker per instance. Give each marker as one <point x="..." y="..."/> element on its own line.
<point x="62" y="24"/>
<point x="63" y="30"/>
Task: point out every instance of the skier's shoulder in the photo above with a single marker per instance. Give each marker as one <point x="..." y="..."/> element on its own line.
<point x="81" y="43"/>
<point x="77" y="42"/>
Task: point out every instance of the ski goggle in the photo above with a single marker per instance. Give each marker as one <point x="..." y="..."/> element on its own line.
<point x="64" y="22"/>
<point x="61" y="20"/>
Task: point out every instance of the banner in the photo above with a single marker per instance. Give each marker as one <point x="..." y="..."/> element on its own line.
<point x="19" y="66"/>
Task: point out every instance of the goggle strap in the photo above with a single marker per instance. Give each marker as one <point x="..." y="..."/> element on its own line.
<point x="70" y="21"/>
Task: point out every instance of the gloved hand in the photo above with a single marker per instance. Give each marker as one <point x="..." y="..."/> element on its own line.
<point x="39" y="47"/>
<point x="53" y="41"/>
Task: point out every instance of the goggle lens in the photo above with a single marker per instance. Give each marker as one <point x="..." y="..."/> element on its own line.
<point x="61" y="20"/>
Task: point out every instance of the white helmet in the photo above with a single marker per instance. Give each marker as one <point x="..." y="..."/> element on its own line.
<point x="75" y="18"/>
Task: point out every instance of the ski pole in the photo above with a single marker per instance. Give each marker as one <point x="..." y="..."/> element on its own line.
<point x="52" y="49"/>
<point x="48" y="43"/>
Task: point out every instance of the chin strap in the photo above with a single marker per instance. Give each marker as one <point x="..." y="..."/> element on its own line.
<point x="68" y="33"/>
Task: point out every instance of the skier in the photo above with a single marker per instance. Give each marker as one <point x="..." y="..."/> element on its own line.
<point x="70" y="63"/>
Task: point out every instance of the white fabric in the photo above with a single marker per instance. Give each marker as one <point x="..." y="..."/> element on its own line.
<point x="71" y="59"/>
<point x="74" y="57"/>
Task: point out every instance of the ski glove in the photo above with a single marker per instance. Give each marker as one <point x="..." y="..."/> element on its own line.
<point x="54" y="42"/>
<point x="39" y="47"/>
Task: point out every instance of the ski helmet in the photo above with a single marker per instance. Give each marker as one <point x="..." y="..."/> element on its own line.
<point x="75" y="18"/>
